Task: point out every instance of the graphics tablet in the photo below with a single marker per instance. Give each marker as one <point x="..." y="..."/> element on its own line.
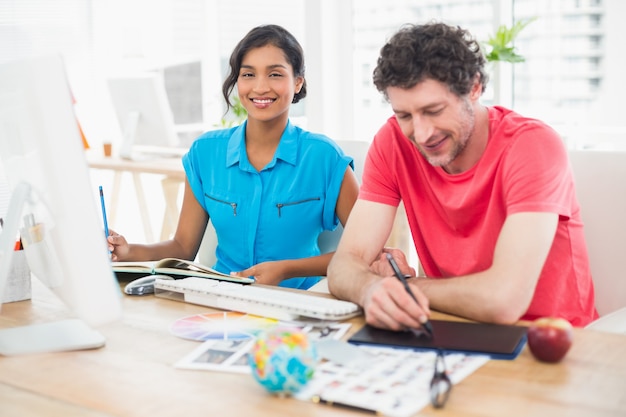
<point x="497" y="341"/>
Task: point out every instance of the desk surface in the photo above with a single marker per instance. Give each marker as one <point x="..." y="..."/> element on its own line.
<point x="171" y="167"/>
<point x="133" y="375"/>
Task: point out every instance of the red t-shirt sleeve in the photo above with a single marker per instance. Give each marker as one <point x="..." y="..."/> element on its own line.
<point x="380" y="171"/>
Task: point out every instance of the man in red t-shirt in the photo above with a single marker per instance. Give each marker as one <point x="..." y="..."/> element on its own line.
<point x="489" y="196"/>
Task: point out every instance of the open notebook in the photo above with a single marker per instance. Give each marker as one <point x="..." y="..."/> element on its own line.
<point x="177" y="268"/>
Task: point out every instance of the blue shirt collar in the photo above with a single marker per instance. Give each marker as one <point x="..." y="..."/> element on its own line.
<point x="287" y="149"/>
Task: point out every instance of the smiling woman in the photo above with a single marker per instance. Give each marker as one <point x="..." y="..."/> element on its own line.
<point x="262" y="180"/>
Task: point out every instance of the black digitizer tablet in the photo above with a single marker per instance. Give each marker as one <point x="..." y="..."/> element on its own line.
<point x="497" y="341"/>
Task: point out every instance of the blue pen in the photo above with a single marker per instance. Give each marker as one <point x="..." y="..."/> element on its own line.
<point x="104" y="214"/>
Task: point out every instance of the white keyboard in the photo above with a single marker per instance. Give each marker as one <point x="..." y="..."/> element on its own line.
<point x="255" y="299"/>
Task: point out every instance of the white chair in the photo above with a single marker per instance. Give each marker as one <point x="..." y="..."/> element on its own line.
<point x="357" y="149"/>
<point x="206" y="252"/>
<point x="614" y="322"/>
<point x="601" y="189"/>
<point x="328" y="240"/>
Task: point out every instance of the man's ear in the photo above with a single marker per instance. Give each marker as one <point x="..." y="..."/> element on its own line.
<point x="477" y="88"/>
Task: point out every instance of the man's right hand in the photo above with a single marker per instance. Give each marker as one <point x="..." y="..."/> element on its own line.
<point x="388" y="305"/>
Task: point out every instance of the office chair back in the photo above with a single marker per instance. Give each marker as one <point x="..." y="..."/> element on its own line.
<point x="600" y="178"/>
<point x="328" y="240"/>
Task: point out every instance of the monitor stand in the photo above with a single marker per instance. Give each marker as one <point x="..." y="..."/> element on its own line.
<point x="130" y="131"/>
<point x="58" y="336"/>
<point x="131" y="151"/>
<point x="70" y="334"/>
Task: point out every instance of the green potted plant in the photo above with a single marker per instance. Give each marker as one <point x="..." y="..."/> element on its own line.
<point x="501" y="48"/>
<point x="235" y="115"/>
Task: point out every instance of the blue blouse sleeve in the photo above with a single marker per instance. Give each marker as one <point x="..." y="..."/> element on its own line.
<point x="189" y="161"/>
<point x="330" y="219"/>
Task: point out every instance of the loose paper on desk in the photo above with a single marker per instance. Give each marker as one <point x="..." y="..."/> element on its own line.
<point x="229" y="336"/>
<point x="393" y="382"/>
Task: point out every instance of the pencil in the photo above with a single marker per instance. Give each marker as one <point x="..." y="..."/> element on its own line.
<point x="396" y="270"/>
<point x="104" y="214"/>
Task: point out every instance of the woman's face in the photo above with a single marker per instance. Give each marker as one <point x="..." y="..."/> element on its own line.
<point x="266" y="83"/>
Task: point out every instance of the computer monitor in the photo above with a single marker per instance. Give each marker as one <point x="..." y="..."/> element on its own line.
<point x="144" y="115"/>
<point x="53" y="205"/>
<point x="183" y="85"/>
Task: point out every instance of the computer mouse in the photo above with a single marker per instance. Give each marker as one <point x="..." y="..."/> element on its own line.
<point x="143" y="285"/>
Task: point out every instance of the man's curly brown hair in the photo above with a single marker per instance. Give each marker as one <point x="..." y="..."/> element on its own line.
<point x="435" y="51"/>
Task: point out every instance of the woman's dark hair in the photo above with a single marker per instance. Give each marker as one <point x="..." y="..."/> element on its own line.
<point x="437" y="51"/>
<point x="258" y="37"/>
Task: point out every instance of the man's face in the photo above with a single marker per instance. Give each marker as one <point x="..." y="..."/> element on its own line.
<point x="436" y="120"/>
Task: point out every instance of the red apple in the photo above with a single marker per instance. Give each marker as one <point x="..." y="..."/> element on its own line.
<point x="549" y="338"/>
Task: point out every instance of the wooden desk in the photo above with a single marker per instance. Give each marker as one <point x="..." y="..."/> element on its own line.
<point x="173" y="176"/>
<point x="133" y="375"/>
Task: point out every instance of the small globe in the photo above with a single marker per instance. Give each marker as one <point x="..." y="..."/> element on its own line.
<point x="283" y="360"/>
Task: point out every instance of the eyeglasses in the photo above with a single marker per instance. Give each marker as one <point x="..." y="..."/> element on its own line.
<point x="440" y="385"/>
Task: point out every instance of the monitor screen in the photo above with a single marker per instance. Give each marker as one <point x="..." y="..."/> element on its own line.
<point x="144" y="114"/>
<point x="183" y="84"/>
<point x="53" y="203"/>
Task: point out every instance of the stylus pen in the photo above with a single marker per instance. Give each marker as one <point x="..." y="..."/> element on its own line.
<point x="104" y="214"/>
<point x="396" y="270"/>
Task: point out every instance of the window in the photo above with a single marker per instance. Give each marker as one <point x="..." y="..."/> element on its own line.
<point x="567" y="50"/>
